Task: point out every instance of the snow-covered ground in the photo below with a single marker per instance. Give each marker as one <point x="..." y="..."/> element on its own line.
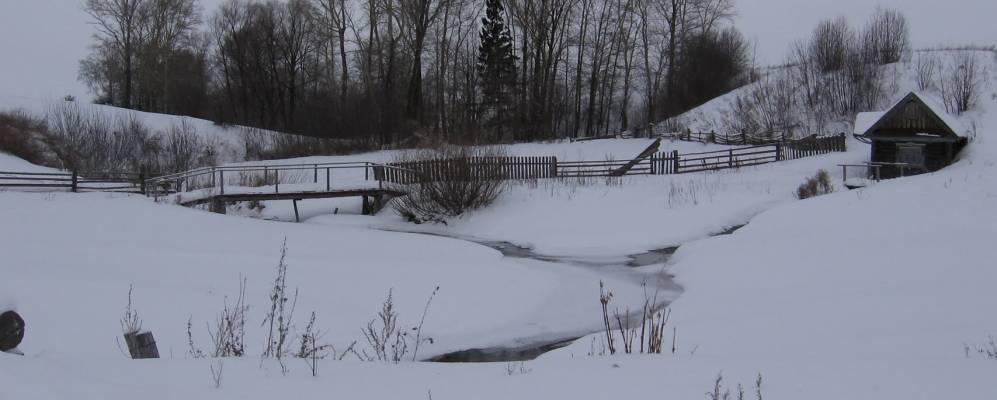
<point x="884" y="292"/>
<point x="854" y="295"/>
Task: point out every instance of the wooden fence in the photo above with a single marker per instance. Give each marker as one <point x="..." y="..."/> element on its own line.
<point x="727" y="139"/>
<point x="74" y="181"/>
<point x="505" y="168"/>
<point x="662" y="163"/>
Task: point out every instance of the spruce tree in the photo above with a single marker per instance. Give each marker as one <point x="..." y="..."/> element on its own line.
<point x="496" y="69"/>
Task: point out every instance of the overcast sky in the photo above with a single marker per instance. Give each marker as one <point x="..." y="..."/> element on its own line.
<point x="42" y="41"/>
<point x="774" y="24"/>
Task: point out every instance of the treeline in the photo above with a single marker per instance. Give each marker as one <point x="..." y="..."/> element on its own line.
<point x="393" y="71"/>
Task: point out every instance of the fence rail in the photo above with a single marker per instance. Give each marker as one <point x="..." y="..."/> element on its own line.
<point x="662" y="163"/>
<point x="75" y="181"/>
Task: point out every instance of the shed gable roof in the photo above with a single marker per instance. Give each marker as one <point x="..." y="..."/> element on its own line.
<point x="867" y="123"/>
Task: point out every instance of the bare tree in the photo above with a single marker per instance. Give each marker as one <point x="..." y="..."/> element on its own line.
<point x="887" y="36"/>
<point x="927" y="69"/>
<point x="336" y="17"/>
<point x="707" y="14"/>
<point x="829" y="44"/>
<point x="165" y="26"/>
<point x="415" y="18"/>
<point x="962" y="82"/>
<point x="118" y="23"/>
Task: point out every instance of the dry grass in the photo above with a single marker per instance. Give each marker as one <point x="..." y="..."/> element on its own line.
<point x="818" y="185"/>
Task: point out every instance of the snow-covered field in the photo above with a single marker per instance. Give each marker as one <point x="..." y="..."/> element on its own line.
<point x="859" y="294"/>
<point x="884" y="292"/>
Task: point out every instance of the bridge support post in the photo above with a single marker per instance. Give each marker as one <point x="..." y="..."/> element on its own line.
<point x="217" y="206"/>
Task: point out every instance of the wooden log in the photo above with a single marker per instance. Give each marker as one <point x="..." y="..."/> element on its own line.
<point x="11" y="330"/>
<point x="650" y="150"/>
<point x="141" y="345"/>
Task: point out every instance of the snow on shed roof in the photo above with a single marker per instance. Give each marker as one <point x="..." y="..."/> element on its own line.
<point x="867" y="120"/>
<point x="864" y="121"/>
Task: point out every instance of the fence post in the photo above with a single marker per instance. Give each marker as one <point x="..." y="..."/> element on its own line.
<point x="778" y="151"/>
<point x="316" y="174"/>
<point x="675" y="157"/>
<point x="141" y="180"/>
<point x="328" y="182"/>
<point x="276" y="178"/>
<point x="730" y="158"/>
<point x="221" y="181"/>
<point x="76" y="181"/>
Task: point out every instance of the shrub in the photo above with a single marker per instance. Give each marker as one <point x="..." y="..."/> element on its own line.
<point x="21" y="135"/>
<point x="817" y="185"/>
<point x="465" y="184"/>
<point x="961" y="83"/>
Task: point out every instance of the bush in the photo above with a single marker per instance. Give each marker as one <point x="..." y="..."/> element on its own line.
<point x="961" y="83"/>
<point x="22" y="134"/>
<point x="464" y="185"/>
<point x="817" y="185"/>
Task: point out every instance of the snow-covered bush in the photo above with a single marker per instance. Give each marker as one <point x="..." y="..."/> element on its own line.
<point x="453" y="191"/>
<point x="817" y="185"/>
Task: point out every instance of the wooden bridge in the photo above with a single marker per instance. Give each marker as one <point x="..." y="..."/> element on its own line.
<point x="219" y="186"/>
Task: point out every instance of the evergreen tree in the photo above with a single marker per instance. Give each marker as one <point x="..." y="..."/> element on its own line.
<point x="496" y="68"/>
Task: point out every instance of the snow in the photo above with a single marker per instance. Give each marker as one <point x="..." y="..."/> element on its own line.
<point x="865" y="120"/>
<point x="183" y="262"/>
<point x="883" y="292"/>
<point x="9" y="163"/>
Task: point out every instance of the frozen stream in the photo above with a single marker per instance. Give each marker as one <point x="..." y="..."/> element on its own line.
<point x="632" y="266"/>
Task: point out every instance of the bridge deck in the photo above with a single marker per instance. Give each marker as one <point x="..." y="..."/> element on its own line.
<point x="374" y="199"/>
<point x="185" y="200"/>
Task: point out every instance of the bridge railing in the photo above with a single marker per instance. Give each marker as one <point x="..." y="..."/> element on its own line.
<point x="301" y="176"/>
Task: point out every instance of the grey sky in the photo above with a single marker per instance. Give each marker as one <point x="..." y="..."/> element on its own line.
<point x="774" y="24"/>
<point x="42" y="41"/>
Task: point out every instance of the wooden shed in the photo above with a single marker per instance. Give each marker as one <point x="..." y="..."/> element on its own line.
<point x="914" y="136"/>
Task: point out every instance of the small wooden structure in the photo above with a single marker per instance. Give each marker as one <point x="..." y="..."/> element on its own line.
<point x="141" y="345"/>
<point x="913" y="136"/>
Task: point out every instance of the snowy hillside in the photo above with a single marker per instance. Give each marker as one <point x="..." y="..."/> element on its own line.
<point x="722" y="114"/>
